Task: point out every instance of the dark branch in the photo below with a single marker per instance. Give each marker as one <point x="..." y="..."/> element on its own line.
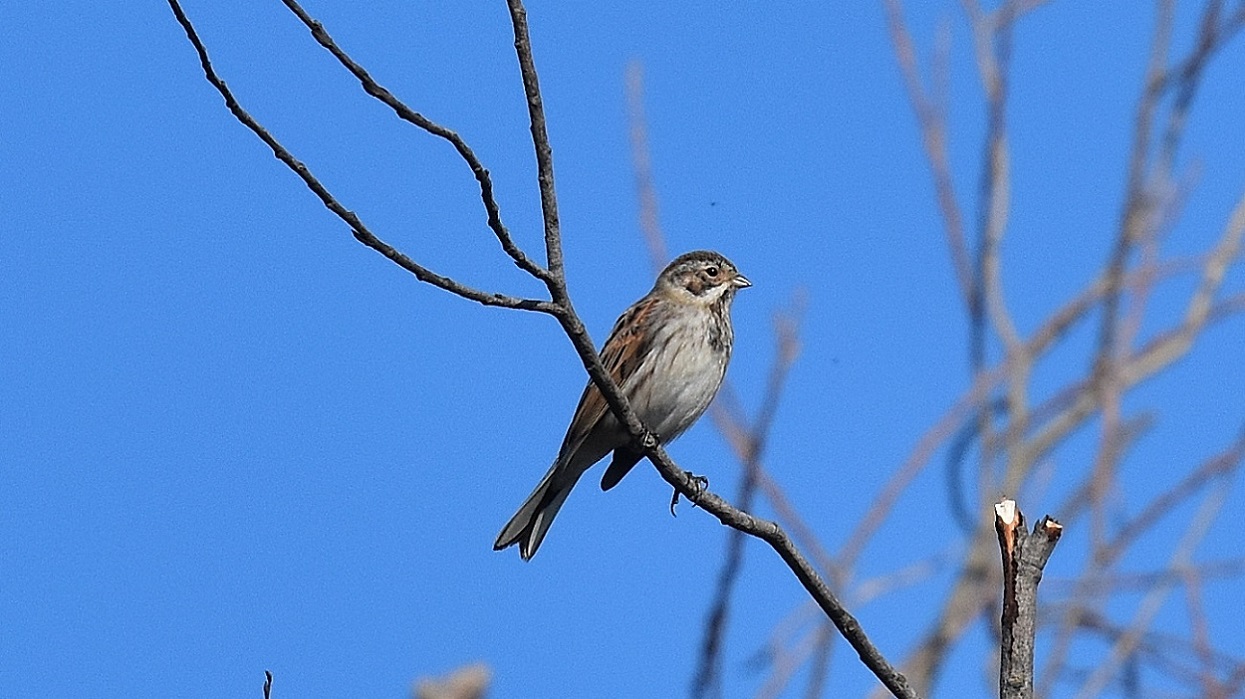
<point x="544" y="153"/>
<point x="773" y="535"/>
<point x="371" y="87"/>
<point x="360" y="231"/>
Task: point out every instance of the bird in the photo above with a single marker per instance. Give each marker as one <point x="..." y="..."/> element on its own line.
<point x="668" y="354"/>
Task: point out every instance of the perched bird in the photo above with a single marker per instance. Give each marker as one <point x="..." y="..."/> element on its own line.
<point x="668" y="355"/>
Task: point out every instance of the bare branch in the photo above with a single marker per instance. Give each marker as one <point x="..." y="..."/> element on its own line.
<point x="1139" y="206"/>
<point x="360" y="231"/>
<point x="544" y="153"/>
<point x="404" y="112"/>
<point x="1024" y="557"/>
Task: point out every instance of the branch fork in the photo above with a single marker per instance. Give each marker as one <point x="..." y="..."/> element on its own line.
<point x="1024" y="556"/>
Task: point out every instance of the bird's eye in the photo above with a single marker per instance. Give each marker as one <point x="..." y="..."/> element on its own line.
<point x="711" y="271"/>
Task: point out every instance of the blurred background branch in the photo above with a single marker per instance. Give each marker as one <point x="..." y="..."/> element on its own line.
<point x="1009" y="420"/>
<point x="1011" y="430"/>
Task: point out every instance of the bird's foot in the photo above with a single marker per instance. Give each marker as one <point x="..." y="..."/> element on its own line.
<point x="699" y="485"/>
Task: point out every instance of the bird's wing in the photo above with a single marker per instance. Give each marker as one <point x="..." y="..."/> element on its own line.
<point x="623" y="353"/>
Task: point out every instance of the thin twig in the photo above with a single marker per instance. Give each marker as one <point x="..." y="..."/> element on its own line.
<point x="404" y="112"/>
<point x="544" y="153"/>
<point x="360" y="231"/>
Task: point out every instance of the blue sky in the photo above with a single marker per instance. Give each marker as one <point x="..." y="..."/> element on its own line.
<point x="233" y="439"/>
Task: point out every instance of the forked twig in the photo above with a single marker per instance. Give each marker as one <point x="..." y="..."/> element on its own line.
<point x="1024" y="556"/>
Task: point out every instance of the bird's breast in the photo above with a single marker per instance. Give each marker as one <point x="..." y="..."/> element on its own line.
<point x="681" y="373"/>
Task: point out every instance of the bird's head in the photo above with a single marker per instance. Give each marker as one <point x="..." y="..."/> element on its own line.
<point x="702" y="277"/>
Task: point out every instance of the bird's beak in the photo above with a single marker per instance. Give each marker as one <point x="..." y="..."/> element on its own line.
<point x="741" y="282"/>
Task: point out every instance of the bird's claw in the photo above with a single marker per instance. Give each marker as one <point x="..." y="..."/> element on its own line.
<point x="699" y="485"/>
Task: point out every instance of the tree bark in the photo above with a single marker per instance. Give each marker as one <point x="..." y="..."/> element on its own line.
<point x="1024" y="556"/>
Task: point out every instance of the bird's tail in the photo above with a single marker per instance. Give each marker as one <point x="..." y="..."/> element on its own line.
<point x="528" y="526"/>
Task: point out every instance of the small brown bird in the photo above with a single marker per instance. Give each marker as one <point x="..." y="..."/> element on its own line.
<point x="668" y="354"/>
